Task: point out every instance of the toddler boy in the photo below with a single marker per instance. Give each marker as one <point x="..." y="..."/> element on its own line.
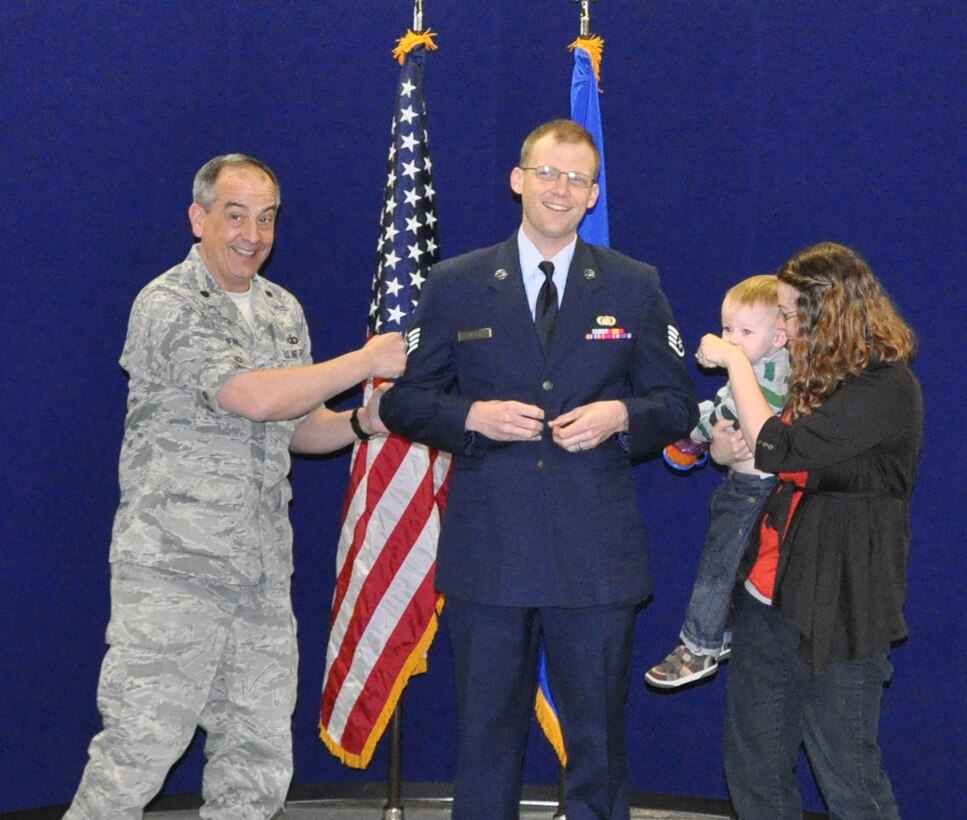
<point x="749" y="321"/>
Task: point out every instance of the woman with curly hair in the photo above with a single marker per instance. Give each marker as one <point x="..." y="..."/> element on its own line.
<point x="826" y="571"/>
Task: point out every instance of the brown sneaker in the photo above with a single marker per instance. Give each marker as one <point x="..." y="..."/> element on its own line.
<point x="680" y="667"/>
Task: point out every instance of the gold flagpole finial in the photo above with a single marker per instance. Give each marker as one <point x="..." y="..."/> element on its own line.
<point x="585" y="17"/>
<point x="416" y="36"/>
<point x="591" y="43"/>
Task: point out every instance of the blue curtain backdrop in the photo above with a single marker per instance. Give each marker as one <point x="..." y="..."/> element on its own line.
<point x="737" y="133"/>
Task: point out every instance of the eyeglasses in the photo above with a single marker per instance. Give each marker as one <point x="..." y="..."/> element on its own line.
<point x="548" y="173"/>
<point x="788" y="314"/>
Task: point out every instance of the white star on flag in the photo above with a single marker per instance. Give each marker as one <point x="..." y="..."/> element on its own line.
<point x="396" y="315"/>
<point x="410" y="169"/>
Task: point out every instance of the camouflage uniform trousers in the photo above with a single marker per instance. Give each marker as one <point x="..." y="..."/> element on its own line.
<point x="186" y="653"/>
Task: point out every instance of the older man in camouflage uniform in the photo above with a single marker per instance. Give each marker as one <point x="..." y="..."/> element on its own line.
<point x="222" y="386"/>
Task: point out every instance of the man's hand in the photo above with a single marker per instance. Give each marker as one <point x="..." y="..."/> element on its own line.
<point x="368" y="416"/>
<point x="506" y="420"/>
<point x="728" y="444"/>
<point x="387" y="353"/>
<point x="587" y="426"/>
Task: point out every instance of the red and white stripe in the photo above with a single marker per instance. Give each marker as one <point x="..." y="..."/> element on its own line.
<point x="384" y="606"/>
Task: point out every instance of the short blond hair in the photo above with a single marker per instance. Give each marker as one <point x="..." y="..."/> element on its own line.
<point x="762" y="289"/>
<point x="562" y="131"/>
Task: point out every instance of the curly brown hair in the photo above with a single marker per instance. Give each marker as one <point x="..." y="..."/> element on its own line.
<point x="846" y="323"/>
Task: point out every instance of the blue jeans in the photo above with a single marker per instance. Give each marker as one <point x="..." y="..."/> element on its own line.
<point x="733" y="510"/>
<point x="774" y="705"/>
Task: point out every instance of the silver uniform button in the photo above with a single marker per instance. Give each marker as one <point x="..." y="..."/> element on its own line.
<point x="547" y="386"/>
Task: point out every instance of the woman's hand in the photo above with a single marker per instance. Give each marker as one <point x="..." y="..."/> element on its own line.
<point x="728" y="445"/>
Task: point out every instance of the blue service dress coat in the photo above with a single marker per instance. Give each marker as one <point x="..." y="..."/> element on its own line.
<point x="529" y="524"/>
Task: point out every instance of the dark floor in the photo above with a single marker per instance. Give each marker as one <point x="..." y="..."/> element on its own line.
<point x="419" y="802"/>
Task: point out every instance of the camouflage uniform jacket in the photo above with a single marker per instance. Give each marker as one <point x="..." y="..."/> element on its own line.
<point x="205" y="492"/>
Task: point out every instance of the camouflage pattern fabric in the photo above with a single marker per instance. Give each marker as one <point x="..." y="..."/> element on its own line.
<point x="201" y="630"/>
<point x="185" y="653"/>
<point x="204" y="492"/>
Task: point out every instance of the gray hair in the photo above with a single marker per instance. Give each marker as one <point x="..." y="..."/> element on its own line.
<point x="203" y="189"/>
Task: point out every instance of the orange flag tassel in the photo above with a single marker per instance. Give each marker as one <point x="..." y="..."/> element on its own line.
<point x="411" y="40"/>
<point x="594" y="46"/>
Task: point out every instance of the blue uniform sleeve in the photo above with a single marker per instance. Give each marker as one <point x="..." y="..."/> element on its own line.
<point x="662" y="406"/>
<point x="424" y="404"/>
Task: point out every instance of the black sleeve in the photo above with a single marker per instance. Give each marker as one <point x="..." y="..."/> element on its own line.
<point x="863" y="412"/>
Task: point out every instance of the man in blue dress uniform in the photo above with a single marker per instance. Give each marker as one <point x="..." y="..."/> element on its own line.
<point x="547" y="366"/>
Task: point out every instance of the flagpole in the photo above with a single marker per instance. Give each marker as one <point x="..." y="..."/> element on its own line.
<point x="561" y="791"/>
<point x="585" y="16"/>
<point x="393" y="810"/>
<point x="585" y="31"/>
<point x="560" y="813"/>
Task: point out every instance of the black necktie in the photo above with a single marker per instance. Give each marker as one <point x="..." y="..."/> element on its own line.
<point x="545" y="314"/>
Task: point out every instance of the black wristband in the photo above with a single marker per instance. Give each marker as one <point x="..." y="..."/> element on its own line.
<point x="357" y="428"/>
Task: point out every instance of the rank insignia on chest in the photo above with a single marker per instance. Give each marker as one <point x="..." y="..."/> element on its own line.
<point x="607" y="334"/>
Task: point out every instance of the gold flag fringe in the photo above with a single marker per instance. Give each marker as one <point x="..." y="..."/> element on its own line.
<point x="415" y="665"/>
<point x="411" y="40"/>
<point x="594" y="46"/>
<point x="551" y="725"/>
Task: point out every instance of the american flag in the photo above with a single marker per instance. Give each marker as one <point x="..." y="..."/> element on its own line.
<point x="384" y="608"/>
